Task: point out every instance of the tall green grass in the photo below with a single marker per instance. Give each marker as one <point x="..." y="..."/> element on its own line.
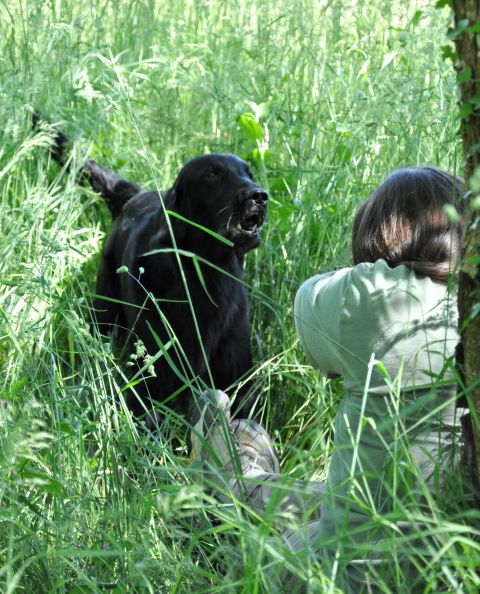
<point x="324" y="98"/>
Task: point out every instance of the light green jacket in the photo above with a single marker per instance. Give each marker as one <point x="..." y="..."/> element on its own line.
<point x="391" y="334"/>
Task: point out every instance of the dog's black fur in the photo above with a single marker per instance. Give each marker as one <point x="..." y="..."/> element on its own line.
<point x="181" y="294"/>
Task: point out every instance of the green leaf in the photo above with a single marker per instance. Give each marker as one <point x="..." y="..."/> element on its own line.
<point x="417" y="17"/>
<point x="202" y="280"/>
<point x="251" y="128"/>
<point x="465" y="75"/>
<point x="66" y="429"/>
<point x="475" y="100"/>
<point x="448" y="53"/>
<point x="474" y="28"/>
<point x="111" y="300"/>
<point x="459" y="29"/>
<point x="443" y="3"/>
<point x="42" y="482"/>
<point x="475" y="181"/>
<point x="464" y="111"/>
<point x="474" y="259"/>
<point x="344" y="153"/>
<point x="261" y="155"/>
<point x="451" y="213"/>
<point x="163" y="349"/>
<point x="381" y="368"/>
<point x="224" y="240"/>
<point x="474" y="149"/>
<point x="475" y="311"/>
<point x="15" y="389"/>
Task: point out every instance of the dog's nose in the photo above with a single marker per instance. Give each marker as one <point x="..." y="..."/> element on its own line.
<point x="258" y="195"/>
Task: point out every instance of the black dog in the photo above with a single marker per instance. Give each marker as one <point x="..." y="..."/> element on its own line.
<point x="170" y="273"/>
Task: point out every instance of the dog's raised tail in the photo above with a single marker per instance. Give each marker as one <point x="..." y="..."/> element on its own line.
<point x="114" y="190"/>
<point x="60" y="141"/>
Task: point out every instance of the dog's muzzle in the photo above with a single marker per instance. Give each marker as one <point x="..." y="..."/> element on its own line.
<point x="247" y="219"/>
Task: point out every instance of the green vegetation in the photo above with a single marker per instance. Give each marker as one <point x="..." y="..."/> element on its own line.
<point x="323" y="98"/>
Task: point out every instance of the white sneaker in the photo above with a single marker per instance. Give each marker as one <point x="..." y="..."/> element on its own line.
<point x="233" y="448"/>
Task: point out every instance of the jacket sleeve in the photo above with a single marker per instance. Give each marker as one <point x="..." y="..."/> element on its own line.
<point x="317" y="312"/>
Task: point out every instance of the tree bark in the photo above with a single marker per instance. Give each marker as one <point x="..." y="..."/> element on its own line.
<point x="466" y="36"/>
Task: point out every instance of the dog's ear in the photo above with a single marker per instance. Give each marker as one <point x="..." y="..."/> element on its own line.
<point x="170" y="198"/>
<point x="179" y="199"/>
<point x="171" y="201"/>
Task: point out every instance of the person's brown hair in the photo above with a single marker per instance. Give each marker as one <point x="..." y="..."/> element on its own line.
<point x="404" y="222"/>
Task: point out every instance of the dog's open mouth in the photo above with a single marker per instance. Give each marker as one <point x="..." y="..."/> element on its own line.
<point x="247" y="218"/>
<point x="246" y="226"/>
<point x="250" y="224"/>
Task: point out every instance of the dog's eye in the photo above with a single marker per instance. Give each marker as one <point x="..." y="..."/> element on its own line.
<point x="249" y="174"/>
<point x="212" y="174"/>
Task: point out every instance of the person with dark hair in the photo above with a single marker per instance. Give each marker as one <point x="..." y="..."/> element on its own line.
<point x="405" y="221"/>
<point x="388" y="326"/>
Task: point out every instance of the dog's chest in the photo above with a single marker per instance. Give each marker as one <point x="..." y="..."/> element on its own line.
<point x="218" y="296"/>
<point x="215" y="296"/>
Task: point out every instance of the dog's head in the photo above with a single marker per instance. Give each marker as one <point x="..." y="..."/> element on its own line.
<point x="218" y="192"/>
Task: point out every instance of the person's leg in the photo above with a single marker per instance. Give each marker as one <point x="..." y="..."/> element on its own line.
<point x="238" y="458"/>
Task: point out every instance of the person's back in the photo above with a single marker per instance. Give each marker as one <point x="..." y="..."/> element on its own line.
<point x="391" y="333"/>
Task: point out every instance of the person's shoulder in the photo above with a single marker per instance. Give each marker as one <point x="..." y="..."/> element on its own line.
<point x="376" y="275"/>
<point x="380" y="271"/>
<point x="320" y="292"/>
<point x="378" y="280"/>
<point x="360" y="280"/>
<point x="318" y="281"/>
<point x="369" y="280"/>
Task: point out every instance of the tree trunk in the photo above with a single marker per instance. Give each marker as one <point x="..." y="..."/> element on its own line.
<point x="466" y="36"/>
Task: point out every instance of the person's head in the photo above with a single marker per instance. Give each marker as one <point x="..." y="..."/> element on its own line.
<point x="404" y="222"/>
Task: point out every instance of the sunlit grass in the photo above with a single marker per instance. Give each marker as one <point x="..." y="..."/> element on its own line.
<point x="340" y="93"/>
